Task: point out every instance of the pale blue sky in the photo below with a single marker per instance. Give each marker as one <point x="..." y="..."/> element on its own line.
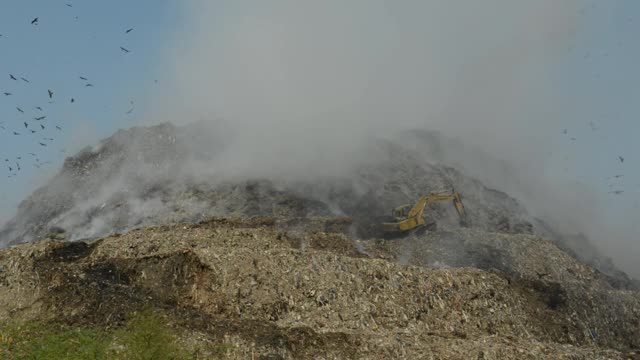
<point x="69" y="42"/>
<point x="597" y="78"/>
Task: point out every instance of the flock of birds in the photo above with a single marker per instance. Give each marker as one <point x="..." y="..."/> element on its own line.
<point x="613" y="181"/>
<point x="38" y="122"/>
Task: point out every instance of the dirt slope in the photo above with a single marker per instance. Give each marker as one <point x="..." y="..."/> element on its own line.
<point x="273" y="290"/>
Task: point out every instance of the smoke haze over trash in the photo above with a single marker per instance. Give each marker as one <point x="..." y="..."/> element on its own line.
<point x="299" y="90"/>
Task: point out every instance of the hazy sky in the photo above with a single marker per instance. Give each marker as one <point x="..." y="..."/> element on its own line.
<point x="502" y="75"/>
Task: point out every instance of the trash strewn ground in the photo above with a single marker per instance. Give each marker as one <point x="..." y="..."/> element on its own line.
<point x="272" y="288"/>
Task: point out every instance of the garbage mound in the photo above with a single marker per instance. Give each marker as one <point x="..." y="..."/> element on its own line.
<point x="159" y="175"/>
<point x="269" y="289"/>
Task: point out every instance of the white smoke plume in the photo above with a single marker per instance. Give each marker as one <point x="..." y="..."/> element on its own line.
<point x="302" y="85"/>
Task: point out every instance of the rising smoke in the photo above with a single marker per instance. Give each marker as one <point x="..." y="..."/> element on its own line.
<point x="302" y="85"/>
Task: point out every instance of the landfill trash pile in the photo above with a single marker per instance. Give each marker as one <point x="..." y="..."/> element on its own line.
<point x="162" y="174"/>
<point x="271" y="289"/>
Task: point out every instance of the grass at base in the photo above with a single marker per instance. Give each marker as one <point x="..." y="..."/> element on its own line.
<point x="145" y="336"/>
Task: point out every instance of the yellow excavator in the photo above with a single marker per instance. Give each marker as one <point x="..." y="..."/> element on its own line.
<point x="409" y="217"/>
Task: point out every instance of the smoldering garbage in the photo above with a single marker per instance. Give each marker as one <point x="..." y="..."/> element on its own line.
<point x="298" y="269"/>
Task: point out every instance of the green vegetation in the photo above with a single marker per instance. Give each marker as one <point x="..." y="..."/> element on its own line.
<point x="145" y="336"/>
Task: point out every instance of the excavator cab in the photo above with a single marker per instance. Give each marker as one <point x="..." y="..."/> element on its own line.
<point x="408" y="217"/>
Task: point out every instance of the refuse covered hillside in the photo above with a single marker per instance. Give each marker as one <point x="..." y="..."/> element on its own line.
<point x="278" y="268"/>
<point x="162" y="174"/>
<point x="263" y="288"/>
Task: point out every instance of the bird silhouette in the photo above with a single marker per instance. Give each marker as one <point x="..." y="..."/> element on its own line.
<point x="42" y="126"/>
<point x="83" y="78"/>
<point x="42" y="144"/>
<point x="16" y="133"/>
<point x="12" y="77"/>
<point x="8" y="94"/>
<point x="125" y="50"/>
<point x="130" y="111"/>
<point x="58" y="127"/>
<point x="89" y="85"/>
<point x="72" y="100"/>
<point x="621" y="159"/>
<point x="128" y="31"/>
<point x="26" y="125"/>
<point x="23" y="79"/>
<point x="39" y="108"/>
<point x="32" y="131"/>
<point x="40" y="118"/>
<point x="34" y="21"/>
<point x="20" y="110"/>
<point x="50" y="94"/>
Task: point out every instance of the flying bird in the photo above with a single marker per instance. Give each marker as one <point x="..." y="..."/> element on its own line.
<point x="12" y="77"/>
<point x="34" y="21"/>
<point x="617" y="192"/>
<point x="621" y="159"/>
<point x="89" y="85"/>
<point x="83" y="78"/>
<point x="23" y="79"/>
<point x="39" y="108"/>
<point x="69" y="5"/>
<point x="41" y="144"/>
<point x="128" y="31"/>
<point x="20" y="110"/>
<point x="58" y="127"/>
<point x="8" y="94"/>
<point x="130" y="111"/>
<point x="42" y="126"/>
<point x="32" y="154"/>
<point x="72" y="100"/>
<point x="32" y="131"/>
<point x="125" y="50"/>
<point x="40" y="118"/>
<point x="16" y="133"/>
<point x="26" y="125"/>
<point x="50" y="94"/>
